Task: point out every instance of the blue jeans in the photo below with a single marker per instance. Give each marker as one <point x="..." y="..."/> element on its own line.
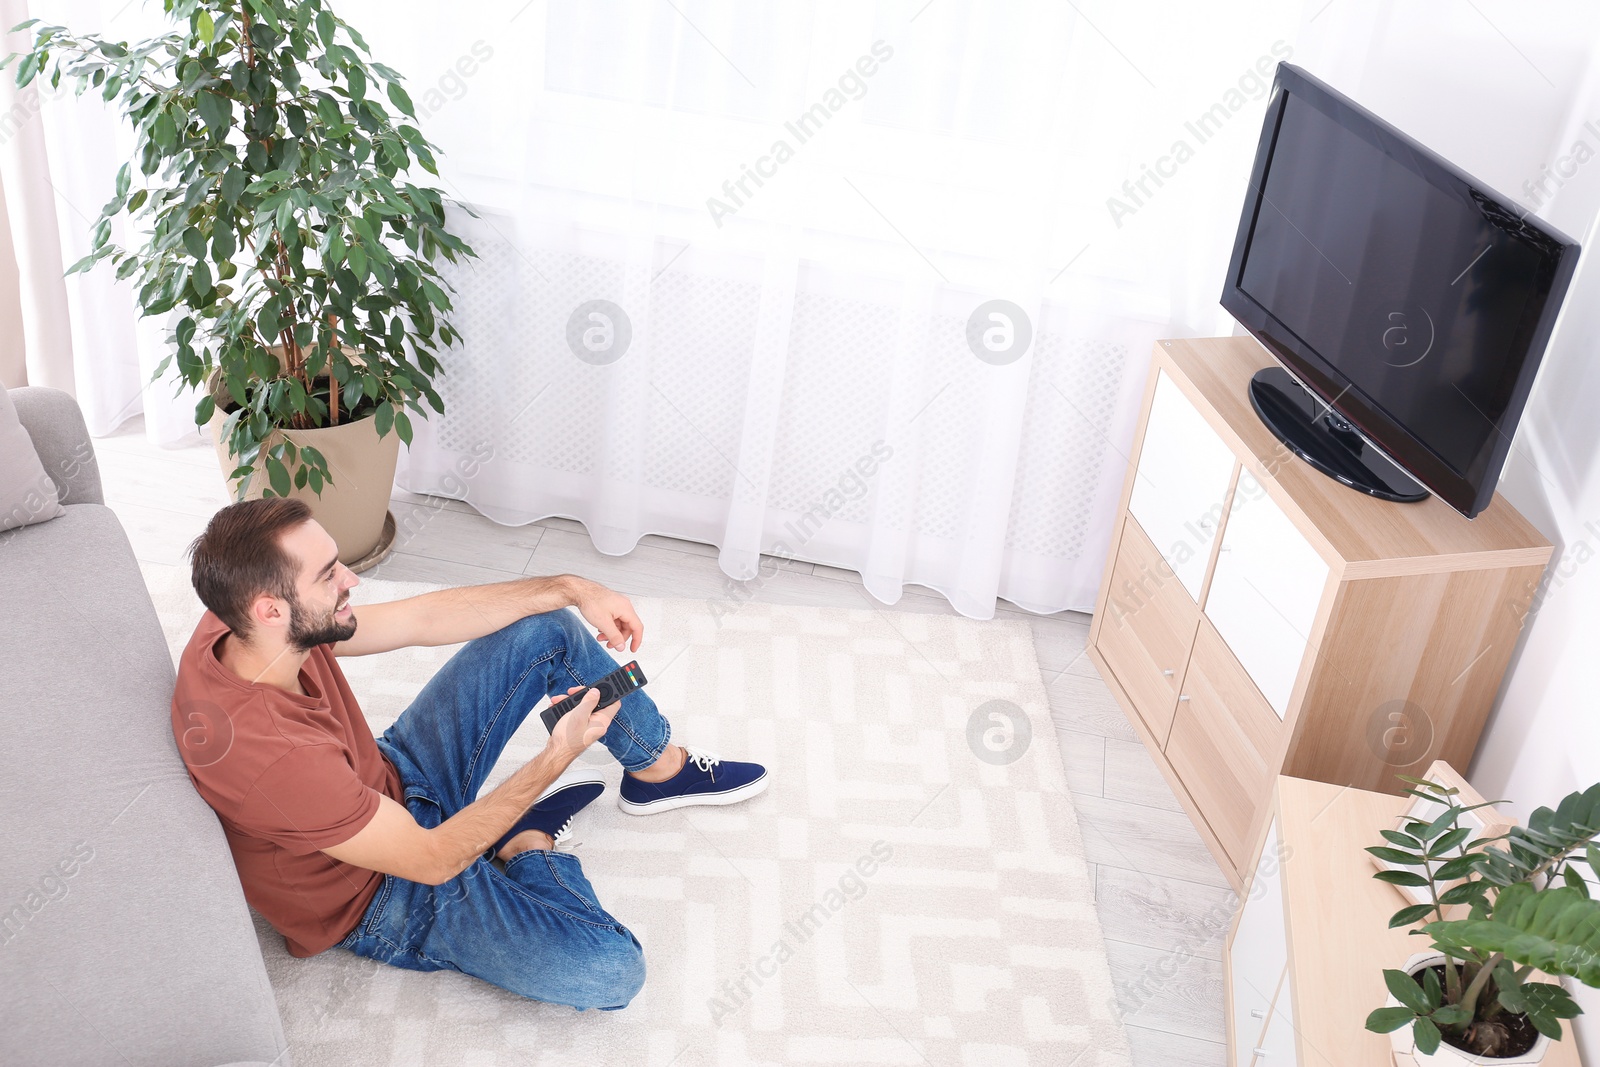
<point x="535" y="927"/>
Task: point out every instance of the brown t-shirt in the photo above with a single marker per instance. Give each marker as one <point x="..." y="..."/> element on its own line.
<point x="288" y="775"/>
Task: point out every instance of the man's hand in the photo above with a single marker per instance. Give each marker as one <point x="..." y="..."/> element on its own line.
<point x="581" y="727"/>
<point x="392" y="842"/>
<point x="612" y="614"/>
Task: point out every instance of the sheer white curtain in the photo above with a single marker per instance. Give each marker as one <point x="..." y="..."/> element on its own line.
<point x="58" y="160"/>
<point x="791" y="212"/>
<point x="732" y="255"/>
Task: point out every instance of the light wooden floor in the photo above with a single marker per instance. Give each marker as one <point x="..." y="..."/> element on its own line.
<point x="1163" y="903"/>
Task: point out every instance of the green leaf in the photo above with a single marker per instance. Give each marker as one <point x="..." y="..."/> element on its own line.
<point x="124" y="178"/>
<point x="1405" y="989"/>
<point x="384" y="418"/>
<point x="165" y="132"/>
<point x="279" y="476"/>
<point x="194" y="242"/>
<point x="200" y="278"/>
<point x="216" y="111"/>
<point x="1412" y="914"/>
<point x="325" y="26"/>
<point x="1456" y="867"/>
<point x="233" y="184"/>
<point x="1430" y="986"/>
<point x="1449" y="841"/>
<point x="1437" y="826"/>
<point x="265" y="9"/>
<point x="1388" y="1020"/>
<point x="328" y="111"/>
<point x="206" y="27"/>
<point x="1395" y="837"/>
<point x="1451" y="1015"/>
<point x="1547" y="998"/>
<point x="1426" y="1035"/>
<point x="1555" y="930"/>
<point x="400" y="99"/>
<point x="402" y="426"/>
<point x="1394" y="855"/>
<point x="1405" y="878"/>
<point x="204" y="410"/>
<point x="1570" y="875"/>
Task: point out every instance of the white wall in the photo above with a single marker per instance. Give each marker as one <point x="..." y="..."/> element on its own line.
<point x="1504" y="91"/>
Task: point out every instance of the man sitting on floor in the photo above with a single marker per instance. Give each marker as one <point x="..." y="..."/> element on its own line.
<point x="378" y="846"/>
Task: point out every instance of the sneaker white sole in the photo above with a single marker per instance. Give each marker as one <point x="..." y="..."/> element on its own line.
<point x="696" y="800"/>
<point x="581" y="776"/>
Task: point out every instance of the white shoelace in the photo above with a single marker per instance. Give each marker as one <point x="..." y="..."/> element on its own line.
<point x="702" y="759"/>
<point x="561" y="840"/>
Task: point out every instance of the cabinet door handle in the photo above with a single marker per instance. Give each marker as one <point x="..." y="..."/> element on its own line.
<point x="1257" y="1013"/>
<point x="1183" y="698"/>
<point x="1258" y="1052"/>
<point x="1166" y="674"/>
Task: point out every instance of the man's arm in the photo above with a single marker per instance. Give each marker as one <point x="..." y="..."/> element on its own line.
<point x="450" y="616"/>
<point x="392" y="842"/>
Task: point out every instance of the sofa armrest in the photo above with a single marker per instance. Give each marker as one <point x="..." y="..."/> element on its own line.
<point x="55" y="423"/>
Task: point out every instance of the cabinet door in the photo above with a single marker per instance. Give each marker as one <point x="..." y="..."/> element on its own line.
<point x="1146" y="627"/>
<point x="1258" y="955"/>
<point x="1265" y="591"/>
<point x="1277" y="1045"/>
<point x="1225" y="744"/>
<point x="1181" y="482"/>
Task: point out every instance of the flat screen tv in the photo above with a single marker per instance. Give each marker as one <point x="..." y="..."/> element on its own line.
<point x="1408" y="303"/>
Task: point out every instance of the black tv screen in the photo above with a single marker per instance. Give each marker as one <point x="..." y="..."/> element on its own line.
<point x="1414" y="300"/>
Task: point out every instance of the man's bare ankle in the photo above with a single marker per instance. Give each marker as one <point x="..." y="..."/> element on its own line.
<point x="528" y="839"/>
<point x="670" y="763"/>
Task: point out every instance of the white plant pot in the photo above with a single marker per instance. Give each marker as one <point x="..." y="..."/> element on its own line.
<point x="1447" y="1055"/>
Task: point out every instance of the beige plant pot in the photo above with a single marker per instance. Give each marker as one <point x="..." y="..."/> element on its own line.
<point x="355" y="508"/>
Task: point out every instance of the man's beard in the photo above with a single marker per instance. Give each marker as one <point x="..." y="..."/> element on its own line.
<point x="307" y="631"/>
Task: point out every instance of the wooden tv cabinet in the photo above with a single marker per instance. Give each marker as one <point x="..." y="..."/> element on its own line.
<point x="1259" y="619"/>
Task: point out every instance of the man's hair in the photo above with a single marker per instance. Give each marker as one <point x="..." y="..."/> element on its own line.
<point x="240" y="557"/>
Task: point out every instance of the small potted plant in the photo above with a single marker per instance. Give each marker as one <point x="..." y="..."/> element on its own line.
<point x="1499" y="909"/>
<point x="277" y="228"/>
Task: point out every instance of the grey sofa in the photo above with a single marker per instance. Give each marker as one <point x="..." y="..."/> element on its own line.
<point x="124" y="936"/>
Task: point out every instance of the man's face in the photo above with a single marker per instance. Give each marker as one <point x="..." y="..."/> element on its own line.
<point x="320" y="611"/>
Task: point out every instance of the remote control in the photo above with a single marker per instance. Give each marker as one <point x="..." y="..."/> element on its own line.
<point x="613" y="687"/>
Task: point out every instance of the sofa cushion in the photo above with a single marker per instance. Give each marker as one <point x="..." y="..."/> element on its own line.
<point x="124" y="936"/>
<point x="55" y="423"/>
<point x="27" y="493"/>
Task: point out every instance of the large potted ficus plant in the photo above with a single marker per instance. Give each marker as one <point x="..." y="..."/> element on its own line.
<point x="276" y="228"/>
<point x="1500" y="908"/>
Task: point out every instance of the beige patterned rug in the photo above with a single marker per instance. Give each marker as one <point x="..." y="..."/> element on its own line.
<point x="910" y="890"/>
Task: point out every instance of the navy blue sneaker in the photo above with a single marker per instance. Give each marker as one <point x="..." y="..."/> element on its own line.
<point x="553" y="812"/>
<point x="704" y="779"/>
